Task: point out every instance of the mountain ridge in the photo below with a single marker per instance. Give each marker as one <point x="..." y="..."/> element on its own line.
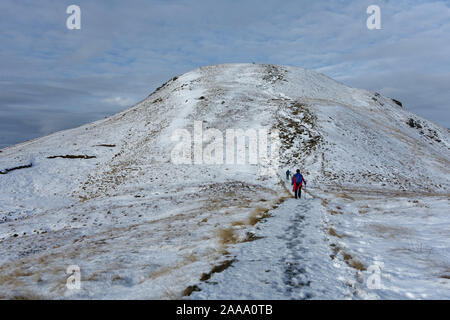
<point x="108" y="197"/>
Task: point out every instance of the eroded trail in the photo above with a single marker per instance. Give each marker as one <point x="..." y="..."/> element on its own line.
<point x="290" y="261"/>
<point x="295" y="275"/>
<point x="334" y="245"/>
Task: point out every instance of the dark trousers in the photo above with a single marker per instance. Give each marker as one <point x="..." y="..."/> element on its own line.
<point x="298" y="192"/>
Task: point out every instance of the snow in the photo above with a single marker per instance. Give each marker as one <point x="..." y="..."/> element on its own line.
<point x="140" y="227"/>
<point x="291" y="260"/>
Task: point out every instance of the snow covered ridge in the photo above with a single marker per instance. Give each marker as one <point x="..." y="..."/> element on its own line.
<point x="106" y="196"/>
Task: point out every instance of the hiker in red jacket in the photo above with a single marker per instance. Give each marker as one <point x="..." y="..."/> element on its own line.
<point x="297" y="181"/>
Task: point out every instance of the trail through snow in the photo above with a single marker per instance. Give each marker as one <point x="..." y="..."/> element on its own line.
<point x="290" y="261"/>
<point x="296" y="256"/>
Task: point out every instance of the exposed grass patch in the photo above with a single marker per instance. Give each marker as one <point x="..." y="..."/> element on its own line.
<point x="227" y="236"/>
<point x="205" y="276"/>
<point x="333" y="233"/>
<point x="105" y="145"/>
<point x="355" y="264"/>
<point x="352" y="262"/>
<point x="224" y="265"/>
<point x="348" y="259"/>
<point x="217" y="269"/>
<point x="71" y="156"/>
<point x="29" y="296"/>
<point x="298" y="123"/>
<point x="345" y="196"/>
<point x="5" y="171"/>
<point x="188" y="291"/>
<point x="335" y="250"/>
<point x="258" y="214"/>
<point x="397" y="102"/>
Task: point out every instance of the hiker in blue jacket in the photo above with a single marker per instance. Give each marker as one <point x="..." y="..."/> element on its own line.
<point x="297" y="181"/>
<point x="288" y="173"/>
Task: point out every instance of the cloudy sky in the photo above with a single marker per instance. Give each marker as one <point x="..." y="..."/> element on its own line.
<point x="53" y="78"/>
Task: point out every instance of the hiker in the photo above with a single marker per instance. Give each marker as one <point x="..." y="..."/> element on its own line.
<point x="297" y="181"/>
<point x="288" y="173"/>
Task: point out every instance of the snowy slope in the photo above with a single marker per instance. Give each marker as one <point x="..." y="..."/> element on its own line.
<point x="140" y="226"/>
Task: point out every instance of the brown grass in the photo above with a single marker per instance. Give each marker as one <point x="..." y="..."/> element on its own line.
<point x="227" y="236"/>
<point x="345" y="196"/>
<point x="205" y="276"/>
<point x="335" y="249"/>
<point x="352" y="262"/>
<point x="346" y="256"/>
<point x="333" y="233"/>
<point x="355" y="264"/>
<point x="26" y="296"/>
<point x="71" y="156"/>
<point x="258" y="214"/>
<point x="224" y="265"/>
<point x="217" y="269"/>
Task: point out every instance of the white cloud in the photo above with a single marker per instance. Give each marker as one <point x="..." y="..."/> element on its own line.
<point x="132" y="48"/>
<point x="120" y="101"/>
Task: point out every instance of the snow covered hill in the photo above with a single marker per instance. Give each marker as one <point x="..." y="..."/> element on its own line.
<point x="109" y="198"/>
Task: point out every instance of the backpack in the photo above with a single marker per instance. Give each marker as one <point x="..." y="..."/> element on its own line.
<point x="298" y="178"/>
